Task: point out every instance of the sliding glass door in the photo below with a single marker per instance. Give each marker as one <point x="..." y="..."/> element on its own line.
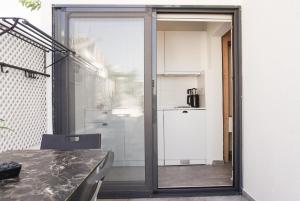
<point x="111" y="96"/>
<point x="118" y="93"/>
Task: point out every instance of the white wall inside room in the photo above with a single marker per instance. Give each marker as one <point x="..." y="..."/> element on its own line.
<point x="171" y="91"/>
<point x="270" y="124"/>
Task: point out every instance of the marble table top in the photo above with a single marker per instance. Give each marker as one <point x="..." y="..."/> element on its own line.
<point x="48" y="175"/>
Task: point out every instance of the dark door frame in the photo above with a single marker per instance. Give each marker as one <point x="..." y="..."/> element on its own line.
<point x="235" y="12"/>
<point x="61" y="99"/>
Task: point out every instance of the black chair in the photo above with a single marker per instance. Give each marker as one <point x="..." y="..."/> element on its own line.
<point x="89" y="189"/>
<point x="69" y="142"/>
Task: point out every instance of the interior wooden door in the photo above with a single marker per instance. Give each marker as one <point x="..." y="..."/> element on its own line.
<point x="226" y="62"/>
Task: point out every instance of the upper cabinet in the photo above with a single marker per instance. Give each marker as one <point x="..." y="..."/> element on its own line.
<point x="181" y="52"/>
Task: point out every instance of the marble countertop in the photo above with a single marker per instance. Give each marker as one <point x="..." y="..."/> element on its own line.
<point x="48" y="175"/>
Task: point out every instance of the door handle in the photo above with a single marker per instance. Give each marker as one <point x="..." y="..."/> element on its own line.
<point x="73" y="138"/>
<point x="184" y="111"/>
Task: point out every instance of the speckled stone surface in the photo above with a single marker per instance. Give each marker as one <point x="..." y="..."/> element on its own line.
<point x="48" y="175"/>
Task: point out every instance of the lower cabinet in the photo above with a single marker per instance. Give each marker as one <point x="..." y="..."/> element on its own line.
<point x="184" y="134"/>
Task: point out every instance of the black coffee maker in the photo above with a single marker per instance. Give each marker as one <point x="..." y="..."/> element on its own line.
<point x="193" y="98"/>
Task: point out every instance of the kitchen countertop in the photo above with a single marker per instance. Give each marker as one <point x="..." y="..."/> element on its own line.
<point x="180" y="108"/>
<point x="48" y="175"/>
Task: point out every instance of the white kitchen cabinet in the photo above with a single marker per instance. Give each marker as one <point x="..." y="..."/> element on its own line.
<point x="160" y="52"/>
<point x="185" y="137"/>
<point x="160" y="138"/>
<point x="184" y="51"/>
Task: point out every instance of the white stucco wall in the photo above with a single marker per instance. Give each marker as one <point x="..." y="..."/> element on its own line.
<point x="271" y="102"/>
<point x="271" y="109"/>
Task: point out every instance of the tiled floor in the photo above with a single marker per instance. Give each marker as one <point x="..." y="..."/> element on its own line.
<point x="211" y="198"/>
<point x="195" y="175"/>
<point x="178" y="176"/>
<point x="131" y="173"/>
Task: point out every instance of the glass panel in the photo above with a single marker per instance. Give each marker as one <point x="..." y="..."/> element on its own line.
<point x="109" y="96"/>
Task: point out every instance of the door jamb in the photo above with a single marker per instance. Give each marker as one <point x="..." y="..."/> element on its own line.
<point x="226" y="87"/>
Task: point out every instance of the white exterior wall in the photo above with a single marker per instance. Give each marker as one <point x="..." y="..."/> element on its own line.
<point x="271" y="98"/>
<point x="271" y="102"/>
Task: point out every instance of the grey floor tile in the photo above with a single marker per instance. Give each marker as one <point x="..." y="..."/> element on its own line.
<point x="178" y="176"/>
<point x="244" y="199"/>
<point x="171" y="199"/>
<point x="224" y="198"/>
<point x="210" y="198"/>
<point x="195" y="175"/>
<point x="131" y="173"/>
<point x="113" y="200"/>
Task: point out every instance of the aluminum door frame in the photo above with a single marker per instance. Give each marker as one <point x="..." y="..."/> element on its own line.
<point x="62" y="100"/>
<point x="236" y="188"/>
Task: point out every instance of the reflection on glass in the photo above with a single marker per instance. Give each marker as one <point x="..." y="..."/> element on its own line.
<point x="109" y="97"/>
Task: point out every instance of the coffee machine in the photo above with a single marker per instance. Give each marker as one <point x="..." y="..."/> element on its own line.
<point x="193" y="98"/>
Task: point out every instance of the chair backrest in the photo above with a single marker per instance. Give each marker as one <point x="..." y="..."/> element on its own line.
<point x="70" y="142"/>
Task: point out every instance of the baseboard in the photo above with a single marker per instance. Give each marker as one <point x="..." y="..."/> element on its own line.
<point x="247" y="196"/>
